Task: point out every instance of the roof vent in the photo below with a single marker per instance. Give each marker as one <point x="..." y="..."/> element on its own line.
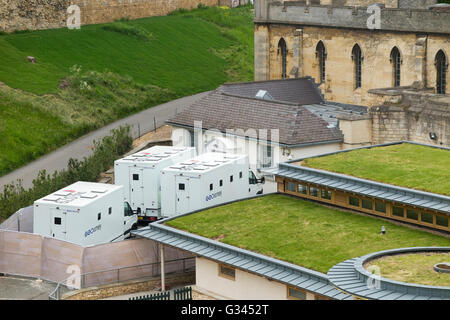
<point x="264" y="95"/>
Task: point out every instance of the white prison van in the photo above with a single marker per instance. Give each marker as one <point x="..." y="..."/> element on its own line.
<point x="207" y="180"/>
<point x="140" y="176"/>
<point x="85" y="213"/>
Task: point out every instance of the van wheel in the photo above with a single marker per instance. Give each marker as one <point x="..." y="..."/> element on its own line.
<point x="134" y="227"/>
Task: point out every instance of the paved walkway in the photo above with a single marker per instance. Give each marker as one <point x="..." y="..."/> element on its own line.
<point x="82" y="147"/>
<point x="24" y="289"/>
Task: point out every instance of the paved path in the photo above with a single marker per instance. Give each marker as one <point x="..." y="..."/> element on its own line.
<point x="82" y="147"/>
<point x="24" y="289"/>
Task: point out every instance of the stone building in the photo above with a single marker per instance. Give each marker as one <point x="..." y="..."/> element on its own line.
<point x="363" y="54"/>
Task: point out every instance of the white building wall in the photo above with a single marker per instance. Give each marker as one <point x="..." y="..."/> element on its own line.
<point x="245" y="286"/>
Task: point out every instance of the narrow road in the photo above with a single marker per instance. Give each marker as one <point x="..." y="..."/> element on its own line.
<point x="82" y="147"/>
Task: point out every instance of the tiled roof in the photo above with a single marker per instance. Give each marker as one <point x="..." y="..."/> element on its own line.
<point x="299" y="91"/>
<point x="221" y="111"/>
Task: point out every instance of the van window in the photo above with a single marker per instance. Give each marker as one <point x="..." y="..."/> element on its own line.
<point x="252" y="178"/>
<point x="231" y="178"/>
<point x="221" y="183"/>
<point x="99" y="216"/>
<point x="110" y="210"/>
<point x="58" y="221"/>
<point x="240" y="175"/>
<point x="211" y="187"/>
<point x="127" y="209"/>
<point x="135" y="177"/>
<point x="181" y="186"/>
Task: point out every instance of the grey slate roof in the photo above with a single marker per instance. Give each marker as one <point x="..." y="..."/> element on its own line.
<point x="221" y="111"/>
<point x="299" y="91"/>
<point x="264" y="266"/>
<point x="331" y="111"/>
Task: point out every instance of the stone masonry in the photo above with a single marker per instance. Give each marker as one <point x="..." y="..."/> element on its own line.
<point x="48" y="14"/>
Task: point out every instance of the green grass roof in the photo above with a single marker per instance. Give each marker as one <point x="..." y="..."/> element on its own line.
<point x="300" y="231"/>
<point x="405" y="165"/>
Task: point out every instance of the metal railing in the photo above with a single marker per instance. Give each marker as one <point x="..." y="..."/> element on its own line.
<point x="118" y="275"/>
<point x="178" y="294"/>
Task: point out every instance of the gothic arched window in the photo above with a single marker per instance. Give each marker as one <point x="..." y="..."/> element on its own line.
<point x="357" y="61"/>
<point x="282" y="49"/>
<point x="396" y="60"/>
<point x="321" y="54"/>
<point x="441" y="70"/>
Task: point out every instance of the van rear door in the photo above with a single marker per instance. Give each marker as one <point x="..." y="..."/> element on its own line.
<point x="182" y="194"/>
<point x="136" y="188"/>
<point x="58" y="224"/>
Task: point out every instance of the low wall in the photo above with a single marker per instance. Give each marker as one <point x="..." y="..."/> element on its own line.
<point x="44" y="14"/>
<point x="95" y="293"/>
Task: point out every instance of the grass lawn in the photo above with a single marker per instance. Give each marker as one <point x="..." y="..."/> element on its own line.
<point x="301" y="232"/>
<point x="84" y="79"/>
<point x="414" y="268"/>
<point x="405" y="165"/>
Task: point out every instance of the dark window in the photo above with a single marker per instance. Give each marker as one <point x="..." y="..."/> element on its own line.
<point x="291" y="186"/>
<point x="441" y="70"/>
<point x="353" y="201"/>
<point x="357" y="61"/>
<point x="396" y="61"/>
<point x="135" y="177"/>
<point x="221" y="183"/>
<point x="109" y="210"/>
<point x="398" y="211"/>
<point x="313" y="192"/>
<point x="325" y="194"/>
<point x="412" y="214"/>
<point x="181" y="186"/>
<point x="58" y="221"/>
<point x="282" y="50"/>
<point x="380" y="206"/>
<point x="367" y="204"/>
<point x="227" y="272"/>
<point x="231" y="178"/>
<point x="99" y="216"/>
<point x="240" y="175"/>
<point x="302" y="189"/>
<point x="192" y="136"/>
<point x="321" y="54"/>
<point x="441" y="221"/>
<point x="426" y="217"/>
<point x="211" y="187"/>
<point x="296" y="294"/>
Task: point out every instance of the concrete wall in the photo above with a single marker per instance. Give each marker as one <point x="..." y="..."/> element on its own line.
<point x="245" y="286"/>
<point x="44" y="14"/>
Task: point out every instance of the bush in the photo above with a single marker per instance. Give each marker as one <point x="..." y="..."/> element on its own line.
<point x="15" y="197"/>
<point x="129" y="30"/>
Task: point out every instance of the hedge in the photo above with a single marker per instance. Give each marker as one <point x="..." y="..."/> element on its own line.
<point x="110" y="148"/>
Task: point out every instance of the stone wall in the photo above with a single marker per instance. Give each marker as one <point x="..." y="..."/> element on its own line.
<point x="418" y="54"/>
<point x="48" y="14"/>
<point x="413" y="117"/>
<point x="114" y="290"/>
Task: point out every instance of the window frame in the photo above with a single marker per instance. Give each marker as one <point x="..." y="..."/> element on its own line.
<point x="224" y="275"/>
<point x="290" y="297"/>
